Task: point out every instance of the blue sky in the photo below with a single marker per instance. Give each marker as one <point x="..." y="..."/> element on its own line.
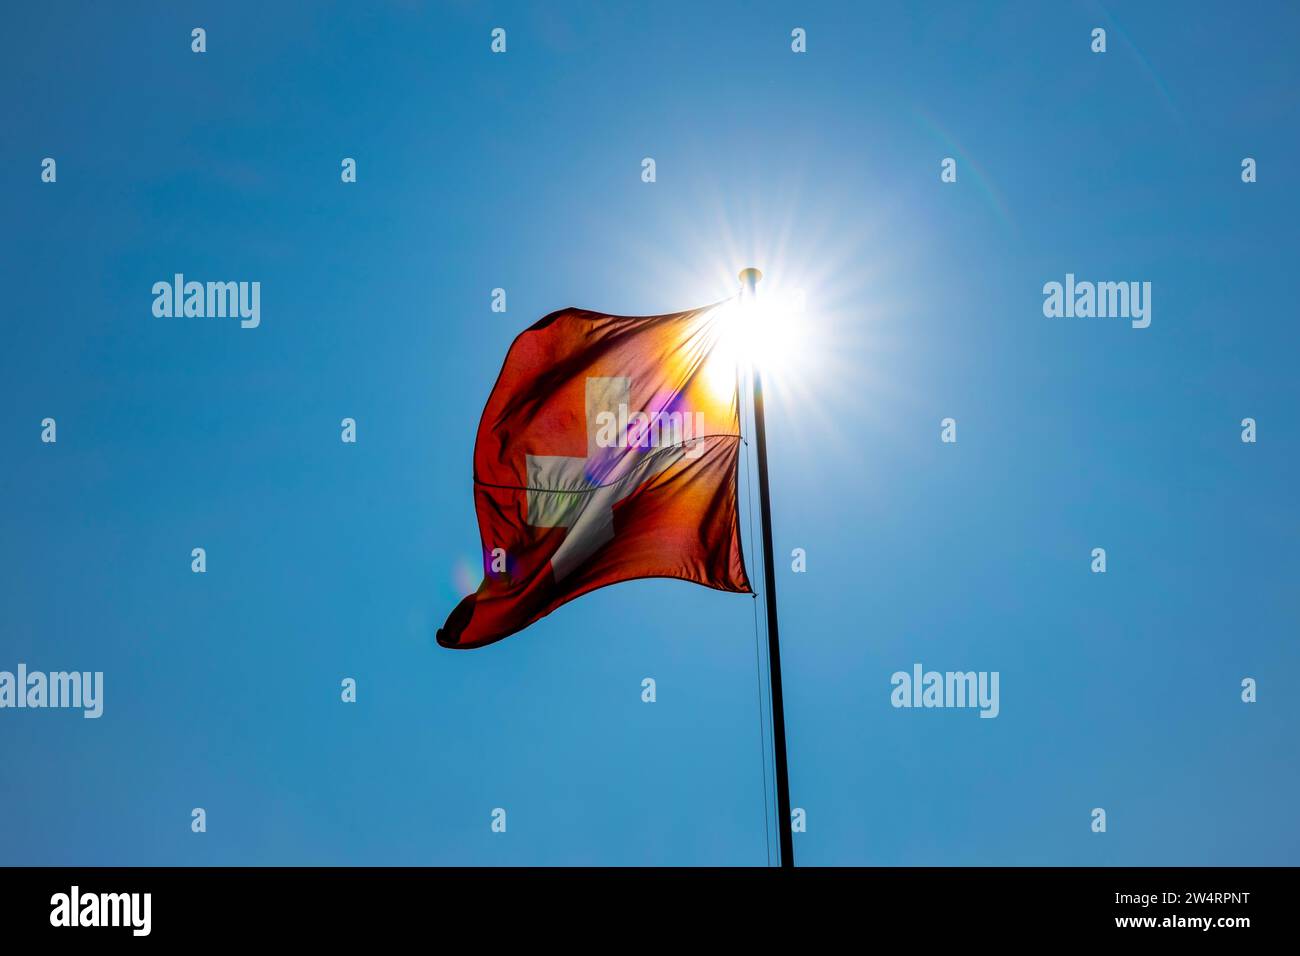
<point x="522" y="171"/>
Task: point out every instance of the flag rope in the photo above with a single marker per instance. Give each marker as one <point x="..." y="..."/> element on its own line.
<point x="654" y="456"/>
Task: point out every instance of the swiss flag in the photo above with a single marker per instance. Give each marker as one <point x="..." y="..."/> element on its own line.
<point x="607" y="452"/>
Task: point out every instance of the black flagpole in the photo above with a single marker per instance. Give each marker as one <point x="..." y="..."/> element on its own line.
<point x="749" y="280"/>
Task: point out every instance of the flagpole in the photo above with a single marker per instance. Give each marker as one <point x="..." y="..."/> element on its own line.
<point x="748" y="293"/>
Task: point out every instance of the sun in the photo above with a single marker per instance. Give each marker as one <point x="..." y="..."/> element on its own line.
<point x="828" y="328"/>
<point x="755" y="331"/>
<point x="767" y="328"/>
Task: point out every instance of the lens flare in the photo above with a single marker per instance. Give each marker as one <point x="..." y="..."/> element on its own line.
<point x="465" y="576"/>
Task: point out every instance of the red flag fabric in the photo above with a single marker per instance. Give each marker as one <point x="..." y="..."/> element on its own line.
<point x="607" y="451"/>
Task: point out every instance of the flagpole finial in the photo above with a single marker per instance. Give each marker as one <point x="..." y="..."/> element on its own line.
<point x="749" y="278"/>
